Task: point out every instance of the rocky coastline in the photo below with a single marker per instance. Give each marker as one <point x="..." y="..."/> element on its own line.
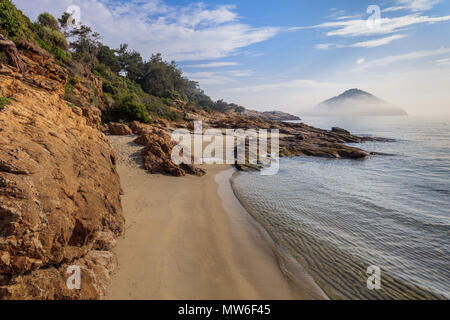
<point x="59" y="188"/>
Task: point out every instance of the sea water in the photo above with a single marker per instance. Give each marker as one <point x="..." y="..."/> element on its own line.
<point x="338" y="217"/>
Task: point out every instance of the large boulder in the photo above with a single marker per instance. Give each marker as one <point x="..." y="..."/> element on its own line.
<point x="119" y="129"/>
<point x="156" y="155"/>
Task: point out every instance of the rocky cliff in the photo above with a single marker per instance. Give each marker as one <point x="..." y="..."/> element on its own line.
<point x="59" y="189"/>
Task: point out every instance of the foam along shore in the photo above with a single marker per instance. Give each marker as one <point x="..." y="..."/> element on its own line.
<point x="189" y="238"/>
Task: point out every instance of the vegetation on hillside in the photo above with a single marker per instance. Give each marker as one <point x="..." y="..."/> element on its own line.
<point x="133" y="88"/>
<point x="13" y="23"/>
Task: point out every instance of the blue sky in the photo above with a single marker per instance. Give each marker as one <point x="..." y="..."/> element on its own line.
<point x="286" y="55"/>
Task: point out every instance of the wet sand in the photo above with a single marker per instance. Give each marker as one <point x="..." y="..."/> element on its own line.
<point x="190" y="238"/>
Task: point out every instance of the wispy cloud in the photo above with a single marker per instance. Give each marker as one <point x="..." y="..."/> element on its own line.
<point x="212" y="65"/>
<point x="192" y="32"/>
<point x="412" y="5"/>
<point x="359" y="27"/>
<point x="298" y="83"/>
<point x="385" y="61"/>
<point x="217" y="77"/>
<point x="379" y="42"/>
<point x="355" y="16"/>
<point x="443" y="62"/>
<point x="329" y="46"/>
<point x="363" y="44"/>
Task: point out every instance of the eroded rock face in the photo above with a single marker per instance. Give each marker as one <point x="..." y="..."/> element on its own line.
<point x="59" y="189"/>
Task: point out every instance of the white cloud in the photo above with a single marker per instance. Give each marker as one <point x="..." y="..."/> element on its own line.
<point x="209" y="78"/>
<point x="355" y="16"/>
<point x="413" y="5"/>
<point x="297" y="83"/>
<point x="328" y="46"/>
<point x="323" y="46"/>
<point x="363" y="44"/>
<point x="359" y="27"/>
<point x="360" y="61"/>
<point x="193" y="32"/>
<point x="378" y="42"/>
<point x="443" y="62"/>
<point x="239" y="73"/>
<point x="217" y="77"/>
<point x="212" y="65"/>
<point x="393" y="9"/>
<point x="382" y="62"/>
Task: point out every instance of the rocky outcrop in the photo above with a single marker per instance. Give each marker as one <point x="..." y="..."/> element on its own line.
<point x="156" y="155"/>
<point x="59" y="189"/>
<point x="269" y="115"/>
<point x="119" y="129"/>
<point x="340" y="130"/>
<point x="298" y="139"/>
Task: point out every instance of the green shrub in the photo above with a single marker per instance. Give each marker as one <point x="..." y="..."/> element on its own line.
<point x="103" y="71"/>
<point x="54" y="42"/>
<point x="108" y="87"/>
<point x="51" y="36"/>
<point x="4" y="102"/>
<point x="13" y="23"/>
<point x="55" y="37"/>
<point x="128" y="109"/>
<point x="62" y="55"/>
<point x="167" y="102"/>
<point x="171" y="94"/>
<point x="47" y="20"/>
<point x="157" y="108"/>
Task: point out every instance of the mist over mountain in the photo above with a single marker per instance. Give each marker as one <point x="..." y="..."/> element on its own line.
<point x="356" y="102"/>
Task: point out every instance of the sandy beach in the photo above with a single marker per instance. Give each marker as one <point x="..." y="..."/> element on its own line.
<point x="190" y="238"/>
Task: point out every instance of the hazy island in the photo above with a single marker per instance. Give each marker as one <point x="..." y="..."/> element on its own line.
<point x="356" y="102"/>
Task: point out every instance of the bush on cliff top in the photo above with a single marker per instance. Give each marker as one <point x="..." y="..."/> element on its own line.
<point x="47" y="20"/>
<point x="49" y="36"/>
<point x="13" y="23"/>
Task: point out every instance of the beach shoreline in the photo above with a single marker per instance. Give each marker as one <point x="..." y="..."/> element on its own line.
<point x="190" y="238"/>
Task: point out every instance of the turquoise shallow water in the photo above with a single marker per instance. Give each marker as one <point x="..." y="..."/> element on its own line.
<point x="337" y="217"/>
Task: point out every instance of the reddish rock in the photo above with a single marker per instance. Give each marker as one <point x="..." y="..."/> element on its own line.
<point x="59" y="189"/>
<point x="119" y="129"/>
<point x="158" y="151"/>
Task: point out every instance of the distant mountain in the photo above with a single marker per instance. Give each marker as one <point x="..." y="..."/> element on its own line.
<point x="357" y="103"/>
